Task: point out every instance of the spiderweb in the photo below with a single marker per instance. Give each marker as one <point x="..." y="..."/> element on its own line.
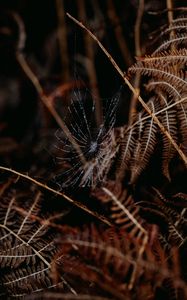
<point x="97" y="144"/>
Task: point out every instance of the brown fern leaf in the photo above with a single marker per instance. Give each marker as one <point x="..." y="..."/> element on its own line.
<point x="182" y="117"/>
<point x="123" y="210"/>
<point x="164" y="73"/>
<point x="147" y="143"/>
<point x="127" y="143"/>
<point x="165" y="70"/>
<point x="178" y="37"/>
<point x="178" y="41"/>
<point x="170" y="214"/>
<point x="111" y="256"/>
<point x="110" y="259"/>
<point x="26" y="246"/>
<point x="67" y="296"/>
<point x="174" y="56"/>
<point x="170" y="123"/>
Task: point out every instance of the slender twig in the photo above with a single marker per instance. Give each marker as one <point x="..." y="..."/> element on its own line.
<point x="48" y="103"/>
<point x="119" y="34"/>
<point x="62" y="38"/>
<point x="170" y="11"/>
<point x="44" y="186"/>
<point x="137" y="28"/>
<point x="138" y="53"/>
<point x="156" y="113"/>
<point x="169" y="4"/>
<point x="90" y="66"/>
<point x="35" y="81"/>
<point x="22" y="35"/>
<point x="121" y="73"/>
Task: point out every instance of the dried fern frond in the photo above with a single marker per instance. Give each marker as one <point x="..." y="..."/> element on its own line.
<point x="164" y="73"/>
<point x="106" y="251"/>
<point x="165" y="70"/>
<point x="170" y="123"/>
<point x="108" y="259"/>
<point x="68" y="296"/>
<point x="27" y="247"/>
<point x="123" y="211"/>
<point x="147" y="141"/>
<point x="170" y="213"/>
<point x="127" y="141"/>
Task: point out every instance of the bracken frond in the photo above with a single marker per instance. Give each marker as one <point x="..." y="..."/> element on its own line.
<point x="27" y="247"/>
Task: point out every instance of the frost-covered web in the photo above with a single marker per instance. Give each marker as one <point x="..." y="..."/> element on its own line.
<point x="97" y="144"/>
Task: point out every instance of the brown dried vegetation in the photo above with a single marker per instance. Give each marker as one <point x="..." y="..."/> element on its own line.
<point x="108" y="218"/>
